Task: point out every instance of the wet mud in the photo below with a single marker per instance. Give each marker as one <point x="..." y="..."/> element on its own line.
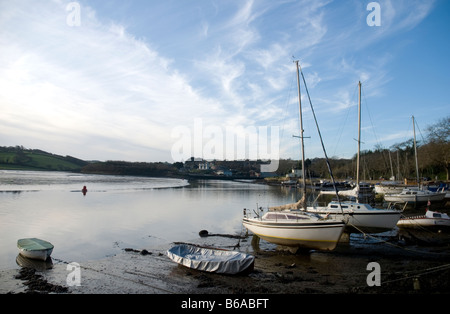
<point x="404" y="268"/>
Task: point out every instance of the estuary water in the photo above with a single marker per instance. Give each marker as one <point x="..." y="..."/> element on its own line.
<point x="119" y="212"/>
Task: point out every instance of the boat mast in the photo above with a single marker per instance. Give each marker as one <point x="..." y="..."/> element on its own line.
<point x="301" y="135"/>
<point x="321" y="142"/>
<point x="359" y="141"/>
<point x="415" y="153"/>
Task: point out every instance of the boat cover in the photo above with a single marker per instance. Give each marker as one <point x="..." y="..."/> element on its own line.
<point x="34" y="244"/>
<point x="210" y="260"/>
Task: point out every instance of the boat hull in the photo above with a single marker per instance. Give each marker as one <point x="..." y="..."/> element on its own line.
<point x="424" y="222"/>
<point x="371" y="221"/>
<point x="35" y="248"/>
<point x="414" y="198"/>
<point x="42" y="255"/>
<point x="316" y="235"/>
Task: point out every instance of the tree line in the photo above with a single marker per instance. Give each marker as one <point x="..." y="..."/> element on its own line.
<point x="398" y="161"/>
<point x="380" y="163"/>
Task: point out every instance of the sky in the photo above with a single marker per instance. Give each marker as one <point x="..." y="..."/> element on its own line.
<point x="147" y="80"/>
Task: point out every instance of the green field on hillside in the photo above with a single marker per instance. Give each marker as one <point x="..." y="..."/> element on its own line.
<point x="16" y="158"/>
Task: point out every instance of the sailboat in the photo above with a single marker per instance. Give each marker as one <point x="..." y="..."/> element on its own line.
<point x="418" y="194"/>
<point x="360" y="217"/>
<point x="362" y="191"/>
<point x="291" y="226"/>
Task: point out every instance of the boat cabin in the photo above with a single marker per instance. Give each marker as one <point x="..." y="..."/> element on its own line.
<point x="349" y="206"/>
<point x="287" y="216"/>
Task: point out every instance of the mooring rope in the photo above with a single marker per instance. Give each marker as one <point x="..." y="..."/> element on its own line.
<point x="389" y="243"/>
<point x="117" y="276"/>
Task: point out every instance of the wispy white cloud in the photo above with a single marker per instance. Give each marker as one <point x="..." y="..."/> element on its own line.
<point x="109" y="88"/>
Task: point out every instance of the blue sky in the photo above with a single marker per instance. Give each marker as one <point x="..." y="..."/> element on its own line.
<point x="123" y="82"/>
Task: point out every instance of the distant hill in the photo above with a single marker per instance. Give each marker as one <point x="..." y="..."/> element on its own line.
<point x="20" y="158"/>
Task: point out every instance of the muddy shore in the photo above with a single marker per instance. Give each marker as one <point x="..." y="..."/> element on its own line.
<point x="404" y="269"/>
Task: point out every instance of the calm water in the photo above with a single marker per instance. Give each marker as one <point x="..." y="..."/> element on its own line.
<point x="119" y="211"/>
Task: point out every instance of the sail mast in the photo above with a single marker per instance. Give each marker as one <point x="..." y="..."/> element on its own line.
<point x="359" y="141"/>
<point x="415" y="152"/>
<point x="301" y="135"/>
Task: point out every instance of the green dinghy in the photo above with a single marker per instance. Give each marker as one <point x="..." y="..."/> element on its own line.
<point x="35" y="248"/>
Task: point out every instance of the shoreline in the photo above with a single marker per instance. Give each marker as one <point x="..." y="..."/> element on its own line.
<point x="403" y="270"/>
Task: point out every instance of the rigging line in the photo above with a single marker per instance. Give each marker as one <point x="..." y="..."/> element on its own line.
<point x="321" y="141"/>
<point x="343" y="125"/>
<point x="412" y="275"/>
<point x="370" y="118"/>
<point x="389" y="243"/>
<point x="288" y="98"/>
<point x="426" y="272"/>
<point x="420" y="132"/>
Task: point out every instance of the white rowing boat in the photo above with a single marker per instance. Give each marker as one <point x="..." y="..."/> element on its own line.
<point x="211" y="260"/>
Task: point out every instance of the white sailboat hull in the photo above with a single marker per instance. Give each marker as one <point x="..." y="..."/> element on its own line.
<point x="414" y="196"/>
<point x="388" y="189"/>
<point x="318" y="235"/>
<point x="361" y="217"/>
<point x="423" y="222"/>
<point x="430" y="220"/>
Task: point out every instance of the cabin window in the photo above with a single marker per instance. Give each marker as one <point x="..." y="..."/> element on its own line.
<point x="276" y="216"/>
<point x="437" y="215"/>
<point x="294" y="217"/>
<point x="272" y="216"/>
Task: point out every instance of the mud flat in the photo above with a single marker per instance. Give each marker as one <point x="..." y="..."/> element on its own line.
<point x="403" y="269"/>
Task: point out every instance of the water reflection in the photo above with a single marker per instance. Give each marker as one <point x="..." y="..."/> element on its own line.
<point x="119" y="212"/>
<point x="34" y="264"/>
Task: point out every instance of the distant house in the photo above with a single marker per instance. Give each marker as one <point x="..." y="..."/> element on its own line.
<point x="295" y="173"/>
<point x="206" y="165"/>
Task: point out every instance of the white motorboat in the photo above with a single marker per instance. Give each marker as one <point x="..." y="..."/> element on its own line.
<point x="431" y="219"/>
<point x="414" y="195"/>
<point x="211" y="260"/>
<point x="35" y="248"/>
<point x="360" y="217"/>
<point x="295" y="228"/>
